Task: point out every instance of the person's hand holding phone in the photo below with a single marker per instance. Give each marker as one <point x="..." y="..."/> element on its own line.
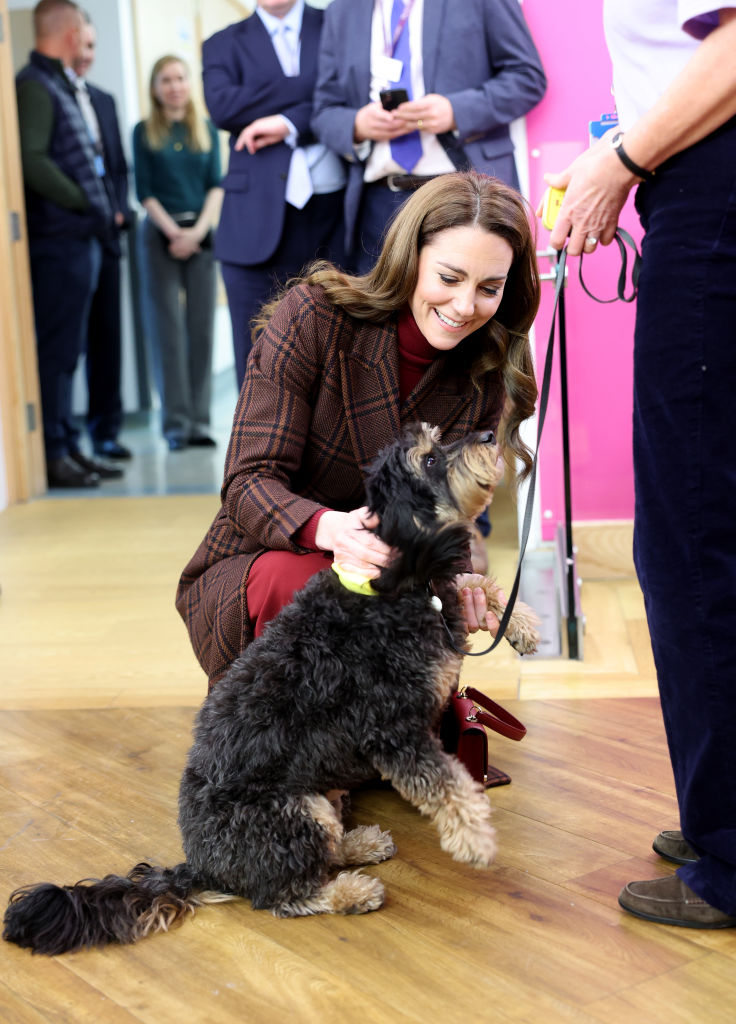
<point x="392" y="98"/>
<point x="376" y="123"/>
<point x="432" y="113"/>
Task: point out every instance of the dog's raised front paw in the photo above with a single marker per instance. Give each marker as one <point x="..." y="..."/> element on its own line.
<point x="522" y="632"/>
<point x="524" y="640"/>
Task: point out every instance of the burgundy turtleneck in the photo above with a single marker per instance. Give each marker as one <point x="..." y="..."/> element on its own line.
<point x="416" y="355"/>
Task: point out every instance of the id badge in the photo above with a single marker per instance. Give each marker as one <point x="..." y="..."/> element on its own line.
<point x="388" y="68"/>
<point x="598" y="128"/>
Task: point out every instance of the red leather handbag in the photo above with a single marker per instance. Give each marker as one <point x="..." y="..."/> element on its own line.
<point x="463" y="732"/>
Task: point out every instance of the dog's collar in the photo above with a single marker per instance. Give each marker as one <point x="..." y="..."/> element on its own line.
<point x="354" y="581"/>
<point x="360" y="584"/>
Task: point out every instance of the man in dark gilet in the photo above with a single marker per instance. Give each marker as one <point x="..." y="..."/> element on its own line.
<point x="69" y="216"/>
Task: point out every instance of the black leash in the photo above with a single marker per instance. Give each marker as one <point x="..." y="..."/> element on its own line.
<point x="622" y="239"/>
<point x="527" y="521"/>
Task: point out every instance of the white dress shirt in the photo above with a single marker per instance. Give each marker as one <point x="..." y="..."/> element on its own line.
<point x="434" y="159"/>
<point x="90" y="117"/>
<point x="314" y="168"/>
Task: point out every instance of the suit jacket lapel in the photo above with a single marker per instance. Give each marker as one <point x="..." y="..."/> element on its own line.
<point x="258" y="42"/>
<point x="361" y="21"/>
<point x="438" y="399"/>
<point x="434" y="12"/>
<point x="370" y="382"/>
<point x="311" y="22"/>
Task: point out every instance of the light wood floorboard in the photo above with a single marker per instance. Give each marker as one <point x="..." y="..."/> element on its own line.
<point x="99" y="690"/>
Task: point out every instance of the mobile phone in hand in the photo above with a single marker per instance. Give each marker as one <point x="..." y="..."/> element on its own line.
<point x="391" y="98"/>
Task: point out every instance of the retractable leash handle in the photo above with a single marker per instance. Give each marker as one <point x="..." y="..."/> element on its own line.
<point x="551" y="203"/>
<point x="528" y="508"/>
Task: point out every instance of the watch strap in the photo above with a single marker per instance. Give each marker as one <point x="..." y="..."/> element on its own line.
<point x="617" y="144"/>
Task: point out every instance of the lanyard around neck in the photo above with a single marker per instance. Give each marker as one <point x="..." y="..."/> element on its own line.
<point x="389" y="45"/>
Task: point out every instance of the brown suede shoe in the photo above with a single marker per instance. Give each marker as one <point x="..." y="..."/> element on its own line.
<point x="672" y="846"/>
<point x="669" y="901"/>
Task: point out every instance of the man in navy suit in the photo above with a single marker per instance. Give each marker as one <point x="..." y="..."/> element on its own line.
<point x="469" y="67"/>
<point x="283" y="202"/>
<point x="104" y="341"/>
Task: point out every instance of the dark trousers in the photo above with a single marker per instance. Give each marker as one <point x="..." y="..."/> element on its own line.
<point x="315" y="232"/>
<point x="105" y="408"/>
<point x="685" y="475"/>
<point x="378" y="204"/>
<point x="64" y="274"/>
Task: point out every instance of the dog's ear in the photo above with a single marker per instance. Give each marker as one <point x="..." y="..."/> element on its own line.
<point x="402" y="508"/>
<point x="398" y="498"/>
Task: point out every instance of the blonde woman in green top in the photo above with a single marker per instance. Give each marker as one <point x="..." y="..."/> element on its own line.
<point x="177" y="175"/>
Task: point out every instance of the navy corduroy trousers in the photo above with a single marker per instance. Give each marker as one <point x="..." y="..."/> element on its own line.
<point x="685" y="475"/>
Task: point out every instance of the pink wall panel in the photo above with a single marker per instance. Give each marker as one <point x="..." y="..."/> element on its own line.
<point x="569" y="36"/>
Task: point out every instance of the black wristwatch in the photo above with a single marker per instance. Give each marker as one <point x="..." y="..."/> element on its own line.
<point x="617" y="144"/>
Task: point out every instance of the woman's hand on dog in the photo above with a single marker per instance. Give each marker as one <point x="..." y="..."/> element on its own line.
<point x="475" y="609"/>
<point x="347" y="535"/>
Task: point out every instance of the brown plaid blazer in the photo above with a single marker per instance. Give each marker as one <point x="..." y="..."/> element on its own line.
<point x="319" y="400"/>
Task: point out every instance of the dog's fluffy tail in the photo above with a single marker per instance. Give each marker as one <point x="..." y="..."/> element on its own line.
<point x="56" y="919"/>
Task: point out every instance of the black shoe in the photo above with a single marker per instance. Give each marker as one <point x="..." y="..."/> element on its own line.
<point x="202" y="441"/>
<point x="64" y="472"/>
<point x="177" y="444"/>
<point x="104" y="470"/>
<point x="112" y="450"/>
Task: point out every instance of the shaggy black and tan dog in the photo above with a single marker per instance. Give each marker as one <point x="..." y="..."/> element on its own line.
<point x="343" y="686"/>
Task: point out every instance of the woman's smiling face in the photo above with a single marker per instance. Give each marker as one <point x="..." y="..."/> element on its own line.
<point x="462" y="273"/>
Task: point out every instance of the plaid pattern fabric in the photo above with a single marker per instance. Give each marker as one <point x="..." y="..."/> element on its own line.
<point x="319" y="400"/>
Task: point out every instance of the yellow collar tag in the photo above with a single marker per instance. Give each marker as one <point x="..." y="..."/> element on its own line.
<point x="354" y="581"/>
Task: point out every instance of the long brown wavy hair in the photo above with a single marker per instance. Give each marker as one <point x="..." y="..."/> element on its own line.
<point x="157" y="127"/>
<point x="462" y="199"/>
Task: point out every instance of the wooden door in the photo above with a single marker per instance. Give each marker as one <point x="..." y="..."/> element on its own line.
<point x="20" y="404"/>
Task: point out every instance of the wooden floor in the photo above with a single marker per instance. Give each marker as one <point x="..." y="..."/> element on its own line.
<point x="98" y="694"/>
